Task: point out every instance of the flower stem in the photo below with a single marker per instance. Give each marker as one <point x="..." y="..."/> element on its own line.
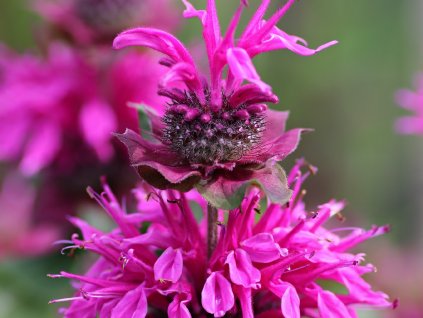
<point x="211" y="229"/>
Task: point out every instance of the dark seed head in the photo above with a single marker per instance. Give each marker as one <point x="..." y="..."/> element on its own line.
<point x="108" y="16"/>
<point x="201" y="136"/>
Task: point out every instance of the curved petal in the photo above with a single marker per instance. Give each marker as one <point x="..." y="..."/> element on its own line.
<point x="251" y="94"/>
<point x="178" y="308"/>
<point x="156" y="164"/>
<point x="241" y="269"/>
<point x="331" y="306"/>
<point x="242" y="68"/>
<point x="133" y="304"/>
<point x="169" y="265"/>
<point x="279" y="40"/>
<point x="157" y="40"/>
<point x="277" y="149"/>
<point x="217" y="296"/>
<point x="262" y="248"/>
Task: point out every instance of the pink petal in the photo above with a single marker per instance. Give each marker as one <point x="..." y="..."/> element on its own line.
<point x="330" y="306"/>
<point x="277" y="149"/>
<point x="41" y="149"/>
<point x="242" y="68"/>
<point x="191" y="12"/>
<point x="251" y="94"/>
<point x="98" y="121"/>
<point x="262" y="248"/>
<point x="217" y="296"/>
<point x="409" y="125"/>
<point x="182" y="72"/>
<point x="178" y="309"/>
<point x="241" y="269"/>
<point x="278" y="40"/>
<point x="169" y="265"/>
<point x="275" y="124"/>
<point x="290" y="302"/>
<point x="157" y="40"/>
<point x="156" y="164"/>
<point x="133" y="304"/>
<point x="245" y="300"/>
<point x="13" y="132"/>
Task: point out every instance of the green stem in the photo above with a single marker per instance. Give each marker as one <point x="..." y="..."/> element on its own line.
<point x="211" y="229"/>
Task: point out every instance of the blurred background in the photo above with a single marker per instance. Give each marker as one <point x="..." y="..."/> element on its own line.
<point x="345" y="93"/>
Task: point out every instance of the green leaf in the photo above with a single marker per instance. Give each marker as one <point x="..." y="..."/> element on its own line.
<point x="223" y="194"/>
<point x="144" y="121"/>
<point x="227" y="191"/>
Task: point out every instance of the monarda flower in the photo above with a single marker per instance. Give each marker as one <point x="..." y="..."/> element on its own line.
<point x="88" y="22"/>
<point x="273" y="261"/>
<point x="216" y="134"/>
<point x="55" y="108"/>
<point x="413" y="101"/>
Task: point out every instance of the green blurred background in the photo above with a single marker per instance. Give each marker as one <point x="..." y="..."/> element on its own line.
<point x="345" y="93"/>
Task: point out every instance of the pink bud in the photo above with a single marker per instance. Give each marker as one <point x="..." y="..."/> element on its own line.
<point x="257" y="108"/>
<point x="205" y="118"/>
<point x="191" y="114"/>
<point x="173" y="109"/>
<point x="226" y="116"/>
<point x="181" y="109"/>
<point x="242" y="114"/>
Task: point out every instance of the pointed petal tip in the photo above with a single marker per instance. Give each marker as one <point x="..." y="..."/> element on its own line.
<point x="326" y="45"/>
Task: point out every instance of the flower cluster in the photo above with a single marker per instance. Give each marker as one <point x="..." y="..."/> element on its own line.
<point x="281" y="262"/>
<point x="50" y="106"/>
<point x="216" y="134"/>
<point x="413" y="101"/>
<point x="58" y="108"/>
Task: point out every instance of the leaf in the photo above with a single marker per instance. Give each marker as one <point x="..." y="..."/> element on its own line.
<point x="228" y="189"/>
<point x="223" y="193"/>
<point x="144" y="121"/>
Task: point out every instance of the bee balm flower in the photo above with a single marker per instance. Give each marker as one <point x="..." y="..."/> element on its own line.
<point x="413" y="101"/>
<point x="281" y="265"/>
<point x="217" y="134"/>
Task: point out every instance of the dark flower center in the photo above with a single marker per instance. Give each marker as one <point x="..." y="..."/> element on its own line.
<point x="207" y="137"/>
<point x="108" y="16"/>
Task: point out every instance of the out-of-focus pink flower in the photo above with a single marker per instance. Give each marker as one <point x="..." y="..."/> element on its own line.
<point x="20" y="234"/>
<point x="282" y="264"/>
<point x="413" y="101"/>
<point x="67" y="104"/>
<point x="401" y="275"/>
<point x="217" y="134"/>
<point x="90" y="22"/>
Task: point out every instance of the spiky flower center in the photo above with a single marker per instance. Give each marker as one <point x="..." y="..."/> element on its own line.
<point x="108" y="16"/>
<point x="202" y="136"/>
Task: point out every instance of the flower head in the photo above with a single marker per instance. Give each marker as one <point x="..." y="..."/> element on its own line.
<point x="217" y="133"/>
<point x="413" y="101"/>
<point x="90" y="22"/>
<point x="281" y="261"/>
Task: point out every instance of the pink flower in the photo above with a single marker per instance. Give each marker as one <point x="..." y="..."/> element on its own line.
<point x="89" y="22"/>
<point x="164" y="269"/>
<point x="20" y="234"/>
<point x="53" y="109"/>
<point x="413" y="101"/>
<point x="217" y="134"/>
